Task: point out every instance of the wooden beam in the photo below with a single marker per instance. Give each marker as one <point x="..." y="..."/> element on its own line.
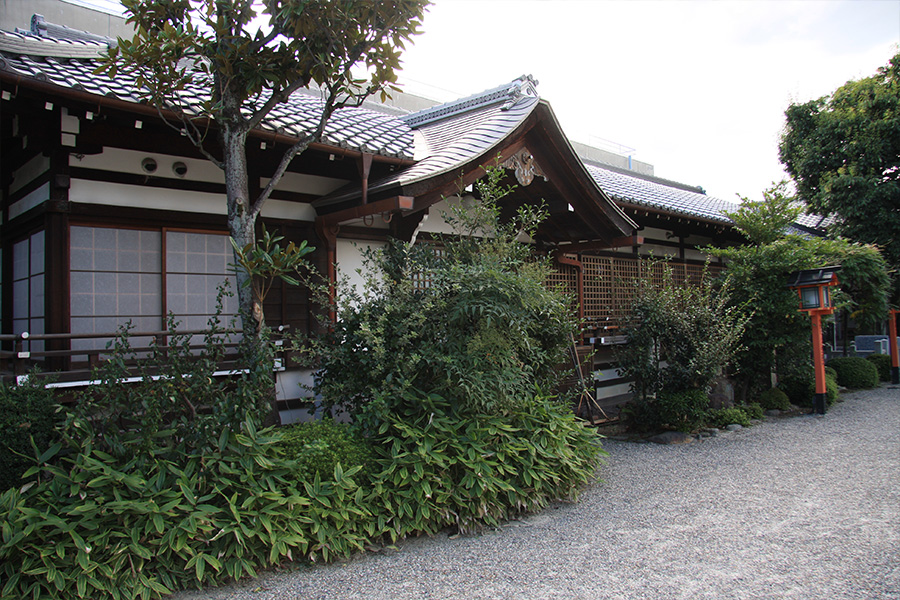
<point x="357" y="212"/>
<point x="632" y="240"/>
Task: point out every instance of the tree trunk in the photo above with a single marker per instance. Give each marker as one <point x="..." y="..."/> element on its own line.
<point x="242" y="227"/>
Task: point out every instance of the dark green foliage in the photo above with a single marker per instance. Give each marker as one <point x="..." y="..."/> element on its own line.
<point x="98" y="526"/>
<point x="27" y="412"/>
<point x="640" y="415"/>
<point x="774" y="399"/>
<point x="319" y="446"/>
<point x="485" y="330"/>
<point x="843" y="152"/>
<point x="830" y="372"/>
<point x="831" y="390"/>
<point x="689" y="326"/>
<point x="754" y="410"/>
<point x="855" y="372"/>
<point x="683" y="411"/>
<point x="778" y="334"/>
<point x="800" y="387"/>
<point x="882" y="362"/>
<point x="723" y="417"/>
<point x="178" y="406"/>
<point x="440" y="464"/>
<point x="167" y="484"/>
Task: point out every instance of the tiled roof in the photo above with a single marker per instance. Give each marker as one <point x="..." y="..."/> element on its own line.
<point x="456" y="136"/>
<point x="448" y="136"/>
<point x="71" y="64"/>
<point x="632" y="189"/>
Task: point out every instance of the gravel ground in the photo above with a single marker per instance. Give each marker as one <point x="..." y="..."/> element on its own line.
<point x="805" y="507"/>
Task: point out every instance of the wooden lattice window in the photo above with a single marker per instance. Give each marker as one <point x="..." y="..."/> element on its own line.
<point x="564" y="278"/>
<point x="598" y="290"/>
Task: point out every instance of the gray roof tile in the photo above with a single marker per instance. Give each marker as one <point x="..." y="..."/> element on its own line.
<point x="70" y="64"/>
<point x="633" y="189"/>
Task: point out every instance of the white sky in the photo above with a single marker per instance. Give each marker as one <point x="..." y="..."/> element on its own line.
<point x="699" y="89"/>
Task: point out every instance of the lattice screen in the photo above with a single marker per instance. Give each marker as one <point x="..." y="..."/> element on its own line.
<point x="610" y="283"/>
<point x="598" y="290"/>
<point x="565" y="278"/>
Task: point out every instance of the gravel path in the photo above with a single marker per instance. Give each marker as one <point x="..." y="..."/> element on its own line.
<point x="803" y="508"/>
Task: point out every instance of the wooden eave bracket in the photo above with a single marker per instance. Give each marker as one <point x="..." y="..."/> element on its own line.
<point x="619" y="242"/>
<point x="388" y="205"/>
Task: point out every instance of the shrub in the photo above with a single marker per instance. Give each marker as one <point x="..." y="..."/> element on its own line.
<point x="472" y="320"/>
<point x="830" y="372"/>
<point x="684" y="410"/>
<point x="831" y="390"/>
<point x="137" y="528"/>
<point x="882" y="363"/>
<point x="319" y="446"/>
<point x="774" y="399"/>
<point x="753" y="410"/>
<point x="689" y="326"/>
<point x="440" y="464"/>
<point x="723" y="417"/>
<point x="28" y="411"/>
<point x="801" y="387"/>
<point x="855" y="372"/>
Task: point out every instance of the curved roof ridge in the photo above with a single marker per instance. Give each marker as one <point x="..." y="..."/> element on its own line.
<point x="30" y="45"/>
<point x="509" y="94"/>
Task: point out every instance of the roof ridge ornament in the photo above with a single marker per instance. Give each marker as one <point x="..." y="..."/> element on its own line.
<point x="510" y="94"/>
<point x="523" y="87"/>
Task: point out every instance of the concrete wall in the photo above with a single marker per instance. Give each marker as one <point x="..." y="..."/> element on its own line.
<point x="77" y="15"/>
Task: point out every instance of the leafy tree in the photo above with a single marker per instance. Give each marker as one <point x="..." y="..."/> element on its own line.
<point x="843" y="152"/>
<point x="695" y="329"/>
<point x="243" y="71"/>
<point x="469" y="318"/>
<point x="777" y="334"/>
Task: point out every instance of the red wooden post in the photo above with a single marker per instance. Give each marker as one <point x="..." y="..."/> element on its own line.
<point x="895" y="354"/>
<point x="819" y="400"/>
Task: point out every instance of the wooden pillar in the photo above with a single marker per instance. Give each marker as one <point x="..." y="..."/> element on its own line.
<point x="819" y="400"/>
<point x="895" y="353"/>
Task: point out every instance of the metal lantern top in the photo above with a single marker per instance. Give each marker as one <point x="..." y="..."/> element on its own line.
<point x="812" y="287"/>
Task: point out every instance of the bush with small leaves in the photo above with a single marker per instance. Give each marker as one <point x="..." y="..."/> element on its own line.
<point x="882" y="362"/>
<point x="319" y="446"/>
<point x="774" y="399"/>
<point x="682" y="410"/>
<point x="801" y="387"/>
<point x="753" y="410"/>
<point x="855" y="372"/>
<point x="724" y="417"/>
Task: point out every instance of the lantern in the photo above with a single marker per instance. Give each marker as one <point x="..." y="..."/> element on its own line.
<point x="814" y="291"/>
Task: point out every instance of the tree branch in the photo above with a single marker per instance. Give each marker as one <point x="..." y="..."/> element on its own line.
<point x="301" y="145"/>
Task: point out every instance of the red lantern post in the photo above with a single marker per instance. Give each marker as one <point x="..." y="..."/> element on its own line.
<point x="895" y="354"/>
<point x="813" y="289"/>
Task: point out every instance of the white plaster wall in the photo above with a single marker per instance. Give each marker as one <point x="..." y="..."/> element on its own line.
<point x="119" y="160"/>
<point x="349" y="257"/>
<point x="434" y="222"/>
<point x="117" y="194"/>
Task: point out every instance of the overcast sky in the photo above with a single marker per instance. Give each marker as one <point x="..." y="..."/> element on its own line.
<point x="698" y="89"/>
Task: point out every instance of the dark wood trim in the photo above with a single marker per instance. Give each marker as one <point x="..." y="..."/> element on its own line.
<point x="152" y="181"/>
<point x="143" y="218"/>
<point x="365" y="233"/>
